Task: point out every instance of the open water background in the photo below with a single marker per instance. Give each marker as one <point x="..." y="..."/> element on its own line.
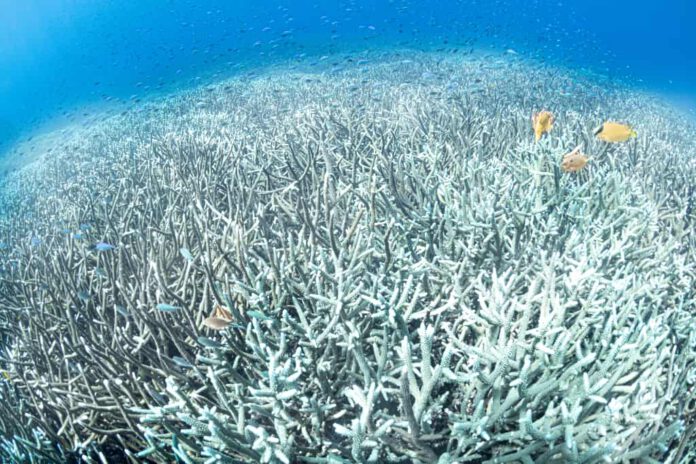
<point x="64" y="61"/>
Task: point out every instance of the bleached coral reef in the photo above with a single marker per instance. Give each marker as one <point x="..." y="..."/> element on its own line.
<point x="411" y="278"/>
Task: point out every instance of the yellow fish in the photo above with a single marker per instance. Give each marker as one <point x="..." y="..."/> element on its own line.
<point x="542" y="122"/>
<point x="574" y="161"/>
<point x="614" y="132"/>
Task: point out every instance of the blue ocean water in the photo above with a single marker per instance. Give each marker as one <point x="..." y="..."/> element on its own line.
<point x="65" y="60"/>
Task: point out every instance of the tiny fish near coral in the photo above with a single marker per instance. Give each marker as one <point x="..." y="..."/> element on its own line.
<point x="186" y="254"/>
<point x="103" y="246"/>
<point x="208" y="342"/>
<point x="122" y="310"/>
<point x="167" y="308"/>
<point x="181" y="362"/>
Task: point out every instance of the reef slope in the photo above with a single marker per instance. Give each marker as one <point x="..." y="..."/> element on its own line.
<point x="411" y="277"/>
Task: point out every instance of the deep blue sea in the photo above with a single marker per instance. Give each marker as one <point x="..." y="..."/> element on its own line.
<point x="63" y="60"/>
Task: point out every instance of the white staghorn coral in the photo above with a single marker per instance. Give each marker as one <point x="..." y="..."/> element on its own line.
<point x="410" y="277"/>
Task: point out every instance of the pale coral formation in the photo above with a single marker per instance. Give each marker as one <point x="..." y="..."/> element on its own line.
<point x="404" y="274"/>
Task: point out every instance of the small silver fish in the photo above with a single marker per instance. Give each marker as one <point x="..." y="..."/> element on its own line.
<point x="121" y="310"/>
<point x="181" y="362"/>
<point x="208" y="342"/>
<point x="186" y="254"/>
<point x="103" y="246"/>
<point x="167" y="308"/>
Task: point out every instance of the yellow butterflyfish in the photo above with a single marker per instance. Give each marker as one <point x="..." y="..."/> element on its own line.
<point x="614" y="132"/>
<point x="542" y="122"/>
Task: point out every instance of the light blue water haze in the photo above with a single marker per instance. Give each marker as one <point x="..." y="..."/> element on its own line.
<point x="61" y="59"/>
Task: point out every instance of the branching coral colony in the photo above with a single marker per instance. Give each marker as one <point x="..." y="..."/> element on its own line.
<point x="388" y="266"/>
